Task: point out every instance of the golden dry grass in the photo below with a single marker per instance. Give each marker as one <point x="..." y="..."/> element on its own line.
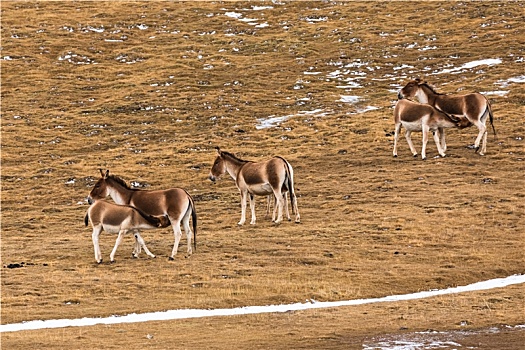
<point x="148" y="89"/>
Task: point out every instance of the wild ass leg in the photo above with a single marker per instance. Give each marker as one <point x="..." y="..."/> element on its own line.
<point x="178" y="234"/>
<point x="140" y="243"/>
<point x="136" y="248"/>
<point x="285" y="197"/>
<point x="441" y="132"/>
<point x="438" y="145"/>
<point x="425" y="141"/>
<point x="244" y="194"/>
<point x="396" y="137"/>
<point x="410" y="144"/>
<point x="483" y="145"/>
<point x="294" y="206"/>
<point x="252" y="208"/>
<point x="187" y="230"/>
<point x="482" y="131"/>
<point x="121" y="234"/>
<point x="279" y="204"/>
<point x="274" y="212"/>
<point x="94" y="236"/>
<point x="268" y="205"/>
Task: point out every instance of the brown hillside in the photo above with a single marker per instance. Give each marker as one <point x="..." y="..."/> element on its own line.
<point x="148" y="89"/>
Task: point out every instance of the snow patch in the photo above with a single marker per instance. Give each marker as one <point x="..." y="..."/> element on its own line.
<point x="488" y="62"/>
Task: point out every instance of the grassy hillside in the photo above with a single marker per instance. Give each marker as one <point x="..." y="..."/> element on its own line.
<point x="148" y="89"/>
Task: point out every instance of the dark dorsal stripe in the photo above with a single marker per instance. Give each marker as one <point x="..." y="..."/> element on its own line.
<point x="234" y="157"/>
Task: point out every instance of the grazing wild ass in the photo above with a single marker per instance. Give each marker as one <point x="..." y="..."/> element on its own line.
<point x="114" y="218"/>
<point x="415" y="116"/>
<point x="472" y="108"/>
<point x="271" y="177"/>
<point x="175" y="203"/>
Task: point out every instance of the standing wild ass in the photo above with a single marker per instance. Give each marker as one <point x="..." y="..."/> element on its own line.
<point x="472" y="108"/>
<point x="270" y="177"/>
<point x="415" y="116"/>
<point x="114" y="218"/>
<point x="175" y="203"/>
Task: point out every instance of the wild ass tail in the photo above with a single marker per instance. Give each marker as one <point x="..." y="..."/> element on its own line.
<point x="86" y="219"/>
<point x="491" y="117"/>
<point x="289" y="183"/>
<point x="193" y="219"/>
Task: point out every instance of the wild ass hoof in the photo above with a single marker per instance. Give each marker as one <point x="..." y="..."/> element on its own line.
<point x="112" y="261"/>
<point x="170" y="258"/>
<point x="395" y="155"/>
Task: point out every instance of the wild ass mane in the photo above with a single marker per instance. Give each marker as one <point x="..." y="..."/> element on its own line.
<point x="234" y="157"/>
<point x="431" y="88"/>
<point x="121" y="182"/>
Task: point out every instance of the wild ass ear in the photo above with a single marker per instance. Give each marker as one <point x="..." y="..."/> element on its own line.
<point x="218" y="150"/>
<point x="418" y="81"/>
<point x="105" y="176"/>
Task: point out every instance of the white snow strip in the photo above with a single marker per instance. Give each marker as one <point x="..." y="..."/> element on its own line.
<point x="233" y="14"/>
<point x="271" y="121"/>
<point x="260" y="8"/>
<point x="349" y="99"/>
<point x="520" y="79"/>
<point x="366" y="109"/>
<point x="473" y="64"/>
<point x="496" y="93"/>
<point x="249" y="310"/>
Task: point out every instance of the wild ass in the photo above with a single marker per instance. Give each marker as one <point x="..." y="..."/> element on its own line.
<point x="114" y="218"/>
<point x="175" y="203"/>
<point x="270" y="177"/>
<point x="415" y="116"/>
<point x="472" y="108"/>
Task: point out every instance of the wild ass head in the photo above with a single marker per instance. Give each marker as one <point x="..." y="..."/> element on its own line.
<point x="100" y="190"/>
<point x="411" y="88"/>
<point x="219" y="166"/>
<point x="164" y="221"/>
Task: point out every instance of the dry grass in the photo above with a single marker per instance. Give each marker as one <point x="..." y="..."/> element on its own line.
<point x="186" y="78"/>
